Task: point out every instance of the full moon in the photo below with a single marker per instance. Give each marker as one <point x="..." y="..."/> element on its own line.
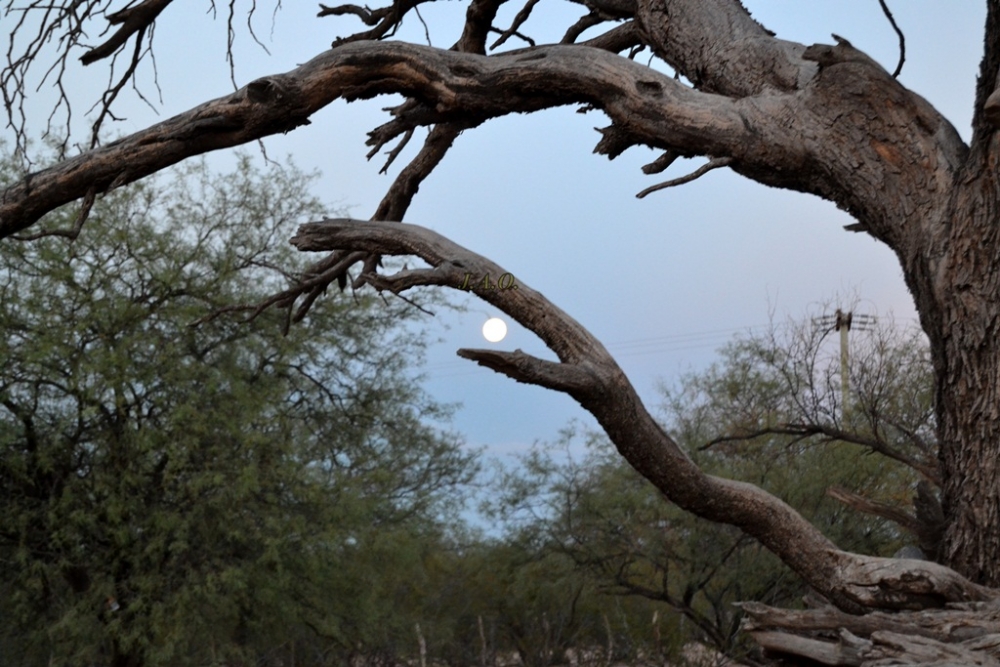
<point x="494" y="330"/>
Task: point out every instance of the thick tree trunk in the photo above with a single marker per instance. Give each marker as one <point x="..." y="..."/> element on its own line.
<point x="968" y="391"/>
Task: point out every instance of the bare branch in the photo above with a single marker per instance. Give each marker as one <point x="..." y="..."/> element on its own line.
<point x="586" y="22"/>
<point x="451" y="87"/>
<point x="741" y="59"/>
<point x="876" y="444"/>
<point x="620" y="38"/>
<point x="67" y="24"/>
<point x="73" y="232"/>
<point x="588" y="373"/>
<point x="952" y="636"/>
<point x="394" y="153"/>
<point x="384" y="20"/>
<point x="134" y="21"/>
<point x="714" y="163"/>
<point x="899" y="33"/>
<point x="109" y="95"/>
<point x="661" y="163"/>
<point x="532" y="370"/>
<point x="518" y="21"/>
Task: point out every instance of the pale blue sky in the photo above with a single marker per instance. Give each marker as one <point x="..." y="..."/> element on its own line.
<point x="717" y="255"/>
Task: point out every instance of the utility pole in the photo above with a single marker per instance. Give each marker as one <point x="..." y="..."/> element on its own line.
<point x="842" y="322"/>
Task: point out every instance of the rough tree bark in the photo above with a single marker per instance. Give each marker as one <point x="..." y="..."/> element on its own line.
<point x="820" y="119"/>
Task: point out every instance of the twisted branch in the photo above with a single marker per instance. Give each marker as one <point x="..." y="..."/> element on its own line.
<point x="588" y="373"/>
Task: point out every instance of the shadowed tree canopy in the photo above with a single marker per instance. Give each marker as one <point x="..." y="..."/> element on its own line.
<point x="179" y="495"/>
<point x="823" y="119"/>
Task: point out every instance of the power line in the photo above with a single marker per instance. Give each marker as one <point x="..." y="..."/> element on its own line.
<point x="622" y="349"/>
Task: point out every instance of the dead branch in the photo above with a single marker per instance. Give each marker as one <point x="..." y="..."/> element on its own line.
<point x="134" y="21"/>
<point x="661" y="163"/>
<point x="71" y="233"/>
<point x="67" y="24"/>
<point x="951" y="636"/>
<point x="518" y="21"/>
<point x="452" y="87"/>
<point x="899" y="33"/>
<point x="587" y="372"/>
<point x="714" y="163"/>
<point x="384" y="20"/>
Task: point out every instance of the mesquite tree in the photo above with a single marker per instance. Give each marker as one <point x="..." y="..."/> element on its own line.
<point x="820" y="119"/>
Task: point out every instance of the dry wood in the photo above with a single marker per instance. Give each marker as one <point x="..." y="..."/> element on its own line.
<point x="822" y="119"/>
<point x="589" y="374"/>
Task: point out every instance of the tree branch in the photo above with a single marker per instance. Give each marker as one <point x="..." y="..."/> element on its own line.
<point x="867" y="506"/>
<point x="899" y="33"/>
<point x="929" y="471"/>
<point x="935" y="636"/>
<point x="531" y="370"/>
<point x="589" y="374"/>
<point x="133" y="20"/>
<point x="714" y="163"/>
<point x="720" y="48"/>
<point x="447" y="86"/>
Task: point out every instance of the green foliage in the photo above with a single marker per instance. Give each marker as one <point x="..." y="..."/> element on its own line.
<point x="177" y="494"/>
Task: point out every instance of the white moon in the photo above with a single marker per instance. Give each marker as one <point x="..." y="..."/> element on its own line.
<point x="494" y="330"/>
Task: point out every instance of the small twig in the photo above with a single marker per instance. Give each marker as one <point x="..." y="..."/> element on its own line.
<point x="415" y="304"/>
<point x="902" y="39"/>
<point x="395" y="151"/>
<point x="519" y="20"/>
<point x="527" y="40"/>
<point x="714" y="163"/>
<point x="427" y="31"/>
<point x="111" y="93"/>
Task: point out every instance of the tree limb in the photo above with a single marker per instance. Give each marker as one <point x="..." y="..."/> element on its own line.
<point x="447" y="85"/>
<point x="850" y="581"/>
<point x="935" y="636"/>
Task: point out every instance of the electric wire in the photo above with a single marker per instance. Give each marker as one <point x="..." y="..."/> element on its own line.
<point x="678" y="342"/>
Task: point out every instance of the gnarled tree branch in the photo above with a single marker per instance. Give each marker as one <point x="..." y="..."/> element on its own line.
<point x="448" y="86"/>
<point x="589" y="374"/>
